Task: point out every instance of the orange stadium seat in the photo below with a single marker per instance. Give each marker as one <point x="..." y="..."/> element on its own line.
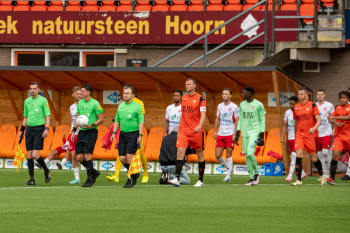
<point x="73" y="8"/>
<point x="143" y="7"/>
<point x="90" y="8"/>
<point x="99" y="151"/>
<point x="108" y="8"/>
<point x="233" y="7"/>
<point x="160" y="7"/>
<point x="195" y="7"/>
<point x="307" y="10"/>
<point x="289" y="7"/>
<point x="38" y="8"/>
<point x="11" y="153"/>
<point x="247" y="6"/>
<point x="273" y="145"/>
<point x="54" y="8"/>
<point x="178" y="7"/>
<point x="57" y="138"/>
<point x="196" y="2"/>
<point x="143" y="2"/>
<point x="124" y="8"/>
<point x="193" y="157"/>
<point x="269" y="7"/>
<point x="214" y="7"/>
<point x="7" y="137"/>
<point x="153" y="143"/>
<point x="47" y="143"/>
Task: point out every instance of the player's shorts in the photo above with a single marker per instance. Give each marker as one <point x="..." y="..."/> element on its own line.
<point x="306" y="143"/>
<point x="34" y="137"/>
<point x="86" y="141"/>
<point x="249" y="144"/>
<point x="341" y="143"/>
<point x="128" y="143"/>
<point x="323" y="142"/>
<point x="224" y="141"/>
<point x="291" y="145"/>
<point x="196" y="140"/>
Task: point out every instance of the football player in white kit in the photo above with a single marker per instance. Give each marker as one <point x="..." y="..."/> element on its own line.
<point x="69" y="146"/>
<point x="227" y="117"/>
<point x="324" y="139"/>
<point x="173" y="113"/>
<point x="289" y="124"/>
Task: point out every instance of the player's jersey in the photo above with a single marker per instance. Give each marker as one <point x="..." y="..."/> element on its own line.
<point x="73" y="113"/>
<point x="325" y="110"/>
<point x="227" y="115"/>
<point x="192" y="106"/>
<point x="173" y="115"/>
<point x="305" y="116"/>
<point x="344" y="130"/>
<point x="251" y="118"/>
<point x="288" y="117"/>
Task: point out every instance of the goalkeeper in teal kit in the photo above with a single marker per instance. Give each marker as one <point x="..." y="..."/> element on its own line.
<point x="252" y="125"/>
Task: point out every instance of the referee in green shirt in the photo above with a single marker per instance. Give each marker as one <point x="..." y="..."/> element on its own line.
<point x="87" y="135"/>
<point x="130" y="119"/>
<point x="37" y="120"/>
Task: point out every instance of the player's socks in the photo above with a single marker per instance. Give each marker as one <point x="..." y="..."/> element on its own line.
<point x="178" y="169"/>
<point x="118" y="167"/>
<point x="249" y="167"/>
<point x="31" y="168"/>
<point x="64" y="161"/>
<point x="46" y="161"/>
<point x="89" y="168"/>
<point x="76" y="173"/>
<point x="326" y="168"/>
<point x="201" y="167"/>
<point x="298" y="168"/>
<point x="144" y="162"/>
<point x="318" y="165"/>
<point x="293" y="157"/>
<point x="229" y="166"/>
<point x="222" y="161"/>
<point x="334" y="165"/>
<point x="41" y="161"/>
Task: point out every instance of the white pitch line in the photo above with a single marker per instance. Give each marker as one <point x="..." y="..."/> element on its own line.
<point x="145" y="186"/>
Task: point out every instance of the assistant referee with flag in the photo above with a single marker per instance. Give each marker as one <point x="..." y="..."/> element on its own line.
<point x="37" y="117"/>
<point x="130" y="119"/>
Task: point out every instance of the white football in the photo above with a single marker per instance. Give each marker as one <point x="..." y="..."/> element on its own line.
<point x="82" y="120"/>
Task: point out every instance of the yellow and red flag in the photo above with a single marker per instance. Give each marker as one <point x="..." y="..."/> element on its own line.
<point x="19" y="158"/>
<point x="135" y="166"/>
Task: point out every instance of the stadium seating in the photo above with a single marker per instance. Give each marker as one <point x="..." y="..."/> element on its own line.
<point x="154" y="141"/>
<point x="57" y="138"/>
<point x="99" y="151"/>
<point x="7" y="137"/>
<point x="273" y="144"/>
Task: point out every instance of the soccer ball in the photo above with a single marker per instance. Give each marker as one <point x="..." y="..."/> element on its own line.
<point x="82" y="120"/>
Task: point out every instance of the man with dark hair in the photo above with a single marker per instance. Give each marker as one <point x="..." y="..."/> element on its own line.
<point x="173" y="113"/>
<point x="130" y="118"/>
<point x="308" y="119"/>
<point x="37" y="120"/>
<point x="324" y="139"/>
<point x="87" y="135"/>
<point x="144" y="162"/>
<point x="227" y="117"/>
<point x="252" y="124"/>
<point x="191" y="131"/>
<point x="289" y="124"/>
<point x="341" y="119"/>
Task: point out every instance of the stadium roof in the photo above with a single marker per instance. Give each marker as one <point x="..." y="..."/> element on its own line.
<point x="210" y="79"/>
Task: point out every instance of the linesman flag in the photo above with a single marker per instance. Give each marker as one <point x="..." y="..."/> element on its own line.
<point x="135" y="166"/>
<point x="19" y="156"/>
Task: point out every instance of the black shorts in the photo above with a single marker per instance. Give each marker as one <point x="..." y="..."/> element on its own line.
<point x="128" y="143"/>
<point x="86" y="141"/>
<point x="34" y="137"/>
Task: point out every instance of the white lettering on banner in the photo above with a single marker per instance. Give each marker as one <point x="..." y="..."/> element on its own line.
<point x="284" y="98"/>
<point x="241" y="169"/>
<point x="112" y="97"/>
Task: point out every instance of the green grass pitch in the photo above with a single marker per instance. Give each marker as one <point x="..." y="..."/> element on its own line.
<point x="272" y="206"/>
